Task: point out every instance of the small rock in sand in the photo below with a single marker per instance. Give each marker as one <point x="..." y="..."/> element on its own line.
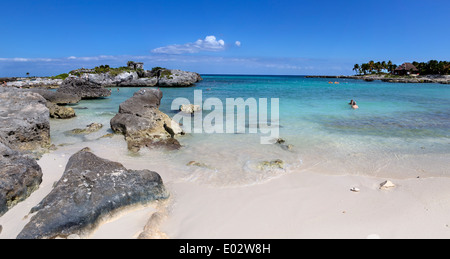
<point x="355" y="189"/>
<point x="387" y="185"/>
<point x="275" y="164"/>
<point x="93" y="127"/>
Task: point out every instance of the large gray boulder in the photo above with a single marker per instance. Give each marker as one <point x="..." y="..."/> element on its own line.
<point x="90" y="188"/>
<point x="24" y="119"/>
<point x="19" y="177"/>
<point x="143" y="124"/>
<point x="84" y="88"/>
<point x="57" y="97"/>
<point x="177" y="78"/>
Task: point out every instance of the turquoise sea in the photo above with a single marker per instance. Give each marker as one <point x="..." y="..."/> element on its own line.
<point x="399" y="131"/>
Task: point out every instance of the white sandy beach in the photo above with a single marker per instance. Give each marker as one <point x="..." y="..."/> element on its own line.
<point x="302" y="204"/>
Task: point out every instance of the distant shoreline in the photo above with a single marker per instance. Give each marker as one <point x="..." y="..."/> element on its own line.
<point x="440" y="79"/>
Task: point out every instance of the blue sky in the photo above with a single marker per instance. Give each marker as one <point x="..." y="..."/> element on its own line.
<point x="230" y="37"/>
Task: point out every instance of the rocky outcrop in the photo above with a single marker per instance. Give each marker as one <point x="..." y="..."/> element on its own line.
<point x="131" y="79"/>
<point x="162" y="78"/>
<point x="143" y="124"/>
<point x="57" y="97"/>
<point x="135" y="76"/>
<point x="177" y="78"/>
<point x="24" y="119"/>
<point x="89" y="189"/>
<point x="35" y="82"/>
<point x="56" y="103"/>
<point x="19" y="177"/>
<point x="83" y="88"/>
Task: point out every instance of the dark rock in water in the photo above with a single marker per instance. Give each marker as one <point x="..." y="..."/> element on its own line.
<point x="90" y="188"/>
<point x="19" y="177"/>
<point x="57" y="97"/>
<point x="143" y="124"/>
<point x="24" y="119"/>
<point x="85" y="89"/>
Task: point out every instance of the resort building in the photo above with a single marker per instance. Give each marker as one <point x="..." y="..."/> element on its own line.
<point x="406" y="69"/>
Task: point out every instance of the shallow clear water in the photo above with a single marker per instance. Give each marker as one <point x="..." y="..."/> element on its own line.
<point x="400" y="130"/>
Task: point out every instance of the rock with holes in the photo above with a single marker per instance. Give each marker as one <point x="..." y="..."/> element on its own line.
<point x="91" y="128"/>
<point x="90" y="189"/>
<point x="24" y="119"/>
<point x="83" y="88"/>
<point x="19" y="177"/>
<point x="143" y="124"/>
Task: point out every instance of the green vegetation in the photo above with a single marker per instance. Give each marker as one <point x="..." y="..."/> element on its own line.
<point x="156" y="69"/>
<point x="166" y="73"/>
<point x="119" y="70"/>
<point x="61" y="76"/>
<point x="104" y="69"/>
<point x="375" y="67"/>
<point x="432" y="67"/>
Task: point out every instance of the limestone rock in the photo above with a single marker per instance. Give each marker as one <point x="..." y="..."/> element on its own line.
<point x="83" y="88"/>
<point x="57" y="97"/>
<point x="177" y="78"/>
<point x="91" y="128"/>
<point x="143" y="124"/>
<point x="19" y="177"/>
<point x="190" y="108"/>
<point x="275" y="164"/>
<point x="387" y="185"/>
<point x="24" y="119"/>
<point x="60" y="112"/>
<point x="89" y="189"/>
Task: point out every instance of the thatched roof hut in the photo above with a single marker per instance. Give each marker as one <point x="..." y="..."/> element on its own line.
<point x="406" y="69"/>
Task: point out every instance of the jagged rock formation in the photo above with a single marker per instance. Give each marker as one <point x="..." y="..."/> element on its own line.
<point x="24" y="119"/>
<point x="19" y="177"/>
<point x="143" y="124"/>
<point x="83" y="88"/>
<point x="89" y="189"/>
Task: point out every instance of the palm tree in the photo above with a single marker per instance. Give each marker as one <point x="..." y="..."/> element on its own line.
<point x="389" y="66"/>
<point x="383" y="65"/>
<point x="28" y="73"/>
<point x="356" y="68"/>
<point x="371" y="65"/>
<point x="378" y="67"/>
<point x="365" y="67"/>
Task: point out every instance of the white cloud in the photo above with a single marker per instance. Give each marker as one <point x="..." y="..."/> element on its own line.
<point x="210" y="43"/>
<point x="238" y="43"/>
<point x="28" y="59"/>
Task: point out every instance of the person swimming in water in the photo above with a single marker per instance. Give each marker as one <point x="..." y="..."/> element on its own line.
<point x="353" y="104"/>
